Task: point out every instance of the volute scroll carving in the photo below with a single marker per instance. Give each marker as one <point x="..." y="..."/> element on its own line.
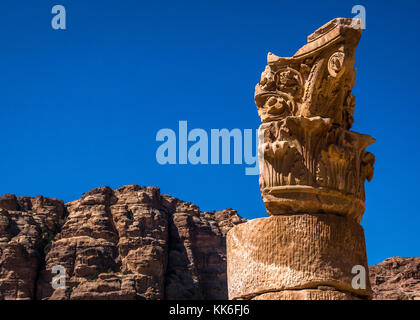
<point x="312" y="174"/>
<point x="312" y="161"/>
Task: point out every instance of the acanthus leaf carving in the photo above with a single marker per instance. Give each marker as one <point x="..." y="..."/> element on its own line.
<point x="312" y="161"/>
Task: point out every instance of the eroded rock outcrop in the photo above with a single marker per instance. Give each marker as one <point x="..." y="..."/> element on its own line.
<point x="134" y="243"/>
<point x="27" y="227"/>
<point x="396" y="278"/>
<point x="129" y="243"/>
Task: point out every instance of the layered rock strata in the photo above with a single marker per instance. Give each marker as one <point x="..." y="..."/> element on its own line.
<point x="195" y="257"/>
<point x="129" y="243"/>
<point x="396" y="278"/>
<point x="27" y="226"/>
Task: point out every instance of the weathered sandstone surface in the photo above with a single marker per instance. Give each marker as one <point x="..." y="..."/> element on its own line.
<point x="288" y="252"/>
<point x="27" y="226"/>
<point x="134" y="243"/>
<point x="396" y="278"/>
<point x="129" y="243"/>
<point x="313" y="171"/>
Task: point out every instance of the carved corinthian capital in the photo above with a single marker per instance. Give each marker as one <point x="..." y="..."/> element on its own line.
<point x="312" y="162"/>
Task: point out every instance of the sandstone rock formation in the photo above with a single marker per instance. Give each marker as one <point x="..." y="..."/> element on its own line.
<point x="139" y="244"/>
<point x="313" y="170"/>
<point x="129" y="243"/>
<point x="396" y="278"/>
<point x="27" y="226"/>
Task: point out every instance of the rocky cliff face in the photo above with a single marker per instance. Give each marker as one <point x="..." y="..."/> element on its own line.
<point x="134" y="243"/>
<point x="396" y="278"/>
<point x="27" y="227"/>
<point x="129" y="243"/>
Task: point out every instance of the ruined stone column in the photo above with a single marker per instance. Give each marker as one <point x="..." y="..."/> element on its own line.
<point x="312" y="178"/>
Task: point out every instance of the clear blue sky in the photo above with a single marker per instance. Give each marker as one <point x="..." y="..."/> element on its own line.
<point x="80" y="107"/>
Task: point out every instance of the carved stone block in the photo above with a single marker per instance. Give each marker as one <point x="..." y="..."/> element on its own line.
<point x="306" y="294"/>
<point x="312" y="161"/>
<point x="313" y="170"/>
<point x="299" y="251"/>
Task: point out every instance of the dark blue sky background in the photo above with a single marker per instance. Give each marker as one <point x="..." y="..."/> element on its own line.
<point x="80" y="108"/>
